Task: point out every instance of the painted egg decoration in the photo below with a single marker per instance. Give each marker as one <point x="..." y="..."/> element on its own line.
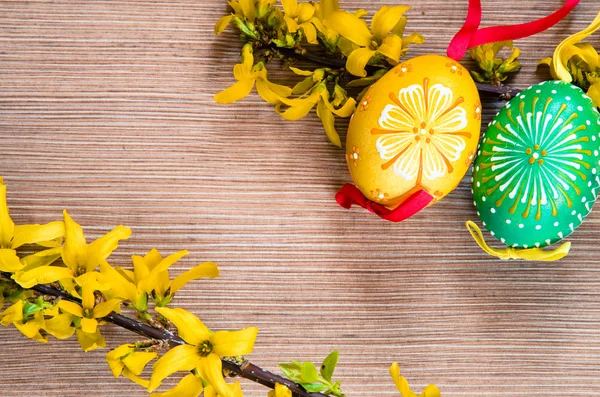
<point x="536" y="173"/>
<point x="416" y="128"/>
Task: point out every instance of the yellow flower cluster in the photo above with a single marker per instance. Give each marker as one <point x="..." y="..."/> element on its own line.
<point x="95" y="289"/>
<point x="493" y="69"/>
<point x="290" y="31"/>
<point x="577" y="62"/>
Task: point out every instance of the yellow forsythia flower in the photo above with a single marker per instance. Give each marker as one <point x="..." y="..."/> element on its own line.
<point x="280" y="391"/>
<point x="376" y="40"/>
<point x="89" y="312"/>
<point x="247" y="75"/>
<point x="89" y="342"/>
<point x="404" y="389"/>
<point x="57" y="324"/>
<point x="12" y="314"/>
<point x="203" y="350"/>
<point x="14" y="236"/>
<point x="126" y="361"/>
<point x="298" y="17"/>
<point x="494" y="69"/>
<point x="151" y="276"/>
<point x="80" y="258"/>
<point x="578" y="62"/>
<point x="319" y="96"/>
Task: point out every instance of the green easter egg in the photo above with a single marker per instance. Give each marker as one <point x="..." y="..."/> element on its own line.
<point x="536" y="177"/>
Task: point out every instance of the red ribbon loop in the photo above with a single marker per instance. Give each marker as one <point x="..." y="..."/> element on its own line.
<point x="350" y="195"/>
<point x="469" y="36"/>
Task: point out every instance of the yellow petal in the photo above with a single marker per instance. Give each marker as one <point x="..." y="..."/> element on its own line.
<point x="105" y="308"/>
<point x="299" y="107"/>
<point x="152" y="259"/>
<point x="290" y="7"/>
<point x="305" y="12"/>
<point x="431" y="391"/>
<point x="137" y="361"/>
<point x="88" y="300"/>
<point x="7" y="226"/>
<point x="89" y="342"/>
<point x="413" y="38"/>
<point x="266" y="90"/>
<point x="328" y="122"/>
<point x="140" y="268"/>
<point x="42" y="275"/>
<point x="594" y="93"/>
<point x="398" y="30"/>
<point x="326" y="7"/>
<point x="156" y="278"/>
<point x="12" y="314"/>
<point x="31" y="329"/>
<point x="189" y="386"/>
<point x="42" y="258"/>
<point x="345" y="111"/>
<point x="280" y="391"/>
<point x="351" y="27"/>
<point x="234" y="343"/>
<point x="204" y="270"/>
<point x="386" y="19"/>
<point x="71" y="308"/>
<point x="115" y="356"/>
<point x="31" y="234"/>
<point x="101" y="248"/>
<point x="89" y="325"/>
<point x="291" y="24"/>
<point x="301" y="72"/>
<point x="346" y="46"/>
<point x="74" y="252"/>
<point x="561" y="57"/>
<point x="237" y="91"/>
<point x="234" y="388"/>
<point x="135" y="378"/>
<point x="243" y="71"/>
<point x="358" y="59"/>
<point x="237" y="9"/>
<point x="179" y="358"/>
<point x="9" y="261"/>
<point x="222" y="24"/>
<point x="310" y="32"/>
<point x="189" y="327"/>
<point x="211" y="370"/>
<point x="120" y="287"/>
<point x="391" y="47"/>
<point x="249" y="9"/>
<point x="400" y="381"/>
<point x="60" y="326"/>
<point x="360" y="13"/>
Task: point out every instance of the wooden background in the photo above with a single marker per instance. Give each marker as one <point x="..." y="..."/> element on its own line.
<point x="106" y="109"/>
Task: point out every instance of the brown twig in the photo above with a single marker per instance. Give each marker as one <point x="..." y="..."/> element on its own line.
<point x="504" y="92"/>
<point x="245" y="370"/>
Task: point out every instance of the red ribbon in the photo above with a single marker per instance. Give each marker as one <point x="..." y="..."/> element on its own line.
<point x="469" y="36"/>
<point x="349" y="195"/>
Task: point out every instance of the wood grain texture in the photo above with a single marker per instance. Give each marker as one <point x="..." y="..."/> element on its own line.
<point x="106" y="109"/>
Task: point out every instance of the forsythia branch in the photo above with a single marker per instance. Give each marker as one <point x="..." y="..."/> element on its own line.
<point x="245" y="370"/>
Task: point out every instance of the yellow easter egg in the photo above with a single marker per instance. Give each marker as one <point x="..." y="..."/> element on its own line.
<point x="416" y="128"/>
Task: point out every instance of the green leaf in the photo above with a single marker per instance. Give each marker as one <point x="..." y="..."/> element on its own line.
<point x="313" y="387"/>
<point x="309" y="372"/>
<point x="291" y="371"/>
<point x="329" y="365"/>
<point x="305" y="372"/>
